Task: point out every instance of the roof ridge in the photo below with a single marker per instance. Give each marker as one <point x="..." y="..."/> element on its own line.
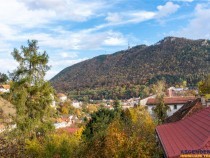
<point x="207" y="108"/>
<point x="191" y="133"/>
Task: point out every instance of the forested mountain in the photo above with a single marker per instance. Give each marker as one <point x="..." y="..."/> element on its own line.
<point x="172" y="58"/>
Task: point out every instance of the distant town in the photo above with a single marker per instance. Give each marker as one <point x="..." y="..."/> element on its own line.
<point x="185" y="107"/>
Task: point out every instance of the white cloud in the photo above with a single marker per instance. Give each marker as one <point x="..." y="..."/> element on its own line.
<point x="4" y="46"/>
<point x="113" y="17"/>
<point x="80" y="40"/>
<point x="199" y="26"/>
<point x="51" y="73"/>
<point x="65" y="62"/>
<point x="16" y="13"/>
<point x="115" y="39"/>
<point x="21" y="20"/>
<point x="167" y="9"/>
<point x="76" y="10"/>
<point x="7" y="32"/>
<point x="58" y="65"/>
<point x="68" y="54"/>
<point x="7" y="64"/>
<point x="128" y="17"/>
<point x="120" y="18"/>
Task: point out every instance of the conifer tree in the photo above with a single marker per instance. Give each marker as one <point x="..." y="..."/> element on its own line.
<point x="30" y="93"/>
<point x="160" y="109"/>
<point x="3" y="78"/>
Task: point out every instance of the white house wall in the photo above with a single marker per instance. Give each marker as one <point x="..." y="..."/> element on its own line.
<point x="4" y="90"/>
<point x="169" y="112"/>
<point x="172" y="110"/>
<point x="144" y="101"/>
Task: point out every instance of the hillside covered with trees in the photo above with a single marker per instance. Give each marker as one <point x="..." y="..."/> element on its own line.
<point x="106" y="133"/>
<point x="174" y="59"/>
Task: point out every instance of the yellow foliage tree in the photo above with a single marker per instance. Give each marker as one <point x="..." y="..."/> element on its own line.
<point x="56" y="145"/>
<point x="204" y="87"/>
<point x="115" y="140"/>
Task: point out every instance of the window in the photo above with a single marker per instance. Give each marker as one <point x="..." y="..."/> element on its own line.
<point x="175" y="106"/>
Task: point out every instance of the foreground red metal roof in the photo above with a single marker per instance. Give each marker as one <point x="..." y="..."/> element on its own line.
<point x="171" y="100"/>
<point x="191" y="133"/>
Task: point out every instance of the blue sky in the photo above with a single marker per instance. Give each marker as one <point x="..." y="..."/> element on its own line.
<point x="75" y="30"/>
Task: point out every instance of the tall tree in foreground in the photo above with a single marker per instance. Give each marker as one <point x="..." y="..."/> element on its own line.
<point x="3" y="78"/>
<point x="160" y="109"/>
<point x="30" y="93"/>
<point x="129" y="133"/>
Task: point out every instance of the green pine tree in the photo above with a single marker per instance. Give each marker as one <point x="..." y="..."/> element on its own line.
<point x="30" y="93"/>
<point x="160" y="109"/>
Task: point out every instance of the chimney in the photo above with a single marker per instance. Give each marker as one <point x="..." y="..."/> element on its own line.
<point x="169" y="92"/>
<point x="208" y="103"/>
<point x="203" y="100"/>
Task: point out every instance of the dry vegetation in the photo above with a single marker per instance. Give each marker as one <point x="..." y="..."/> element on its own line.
<point x="7" y="110"/>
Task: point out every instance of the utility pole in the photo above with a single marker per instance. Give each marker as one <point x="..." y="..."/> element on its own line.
<point x="129" y="46"/>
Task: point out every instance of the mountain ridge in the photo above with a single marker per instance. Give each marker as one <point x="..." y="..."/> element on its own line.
<point x="171" y="56"/>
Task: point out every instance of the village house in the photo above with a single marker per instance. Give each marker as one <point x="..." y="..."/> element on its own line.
<point x="70" y="130"/>
<point x="174" y="103"/>
<point x="172" y="91"/>
<point x="143" y="102"/>
<point x="61" y="125"/>
<point x="129" y="103"/>
<point x="77" y="104"/>
<point x="62" y="97"/>
<point x="73" y="119"/>
<point x="187" y="136"/>
<point x="186" y="110"/>
<point x="66" y="121"/>
<point x="3" y="127"/>
<point x="5" y="88"/>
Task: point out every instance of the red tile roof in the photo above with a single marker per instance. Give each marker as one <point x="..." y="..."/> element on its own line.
<point x="191" y="133"/>
<point x="171" y="100"/>
<point x="61" y="95"/>
<point x="69" y="129"/>
<point x="5" y="86"/>
<point x="2" y="126"/>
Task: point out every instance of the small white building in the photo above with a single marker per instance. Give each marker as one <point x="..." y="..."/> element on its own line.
<point x="77" y="104"/>
<point x="66" y="121"/>
<point x="73" y="119"/>
<point x="5" y="88"/>
<point x="8" y="127"/>
<point x="61" y="125"/>
<point x="62" y="97"/>
<point x="174" y="103"/>
<point x="143" y="102"/>
<point x="130" y="103"/>
<point x="172" y="91"/>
